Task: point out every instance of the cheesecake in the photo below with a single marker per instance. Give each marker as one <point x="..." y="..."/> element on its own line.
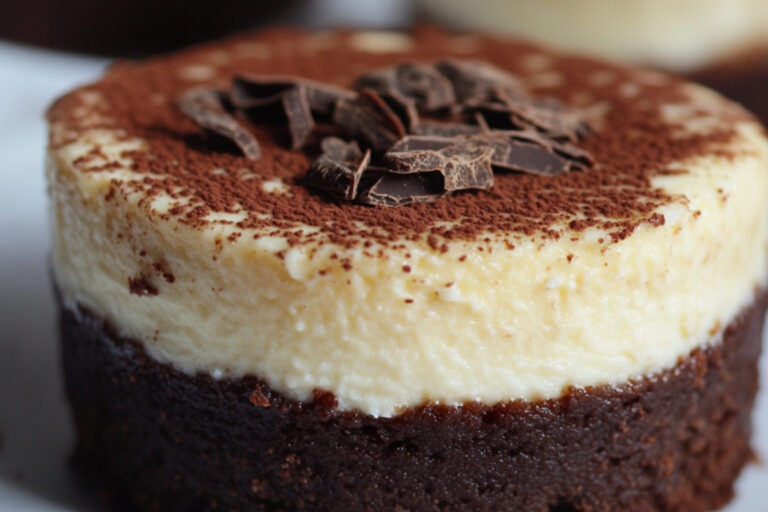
<point x="407" y="271"/>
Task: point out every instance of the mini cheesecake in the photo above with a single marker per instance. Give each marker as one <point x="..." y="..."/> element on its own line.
<point x="577" y="331"/>
<point x="721" y="43"/>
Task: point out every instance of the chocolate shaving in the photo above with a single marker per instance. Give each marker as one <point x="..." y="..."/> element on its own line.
<point x="402" y="189"/>
<point x="340" y="150"/>
<point x="526" y="152"/>
<point x="547" y="116"/>
<point x="297" y="111"/>
<point x="253" y="91"/>
<point x="249" y="93"/>
<point x="422" y="143"/>
<point x="323" y="98"/>
<point x="463" y="163"/>
<point x="404" y="108"/>
<point x="259" y="97"/>
<point x="464" y="166"/>
<point x="414" y="160"/>
<point x="481" y="122"/>
<point x="369" y="119"/>
<point x="205" y="107"/>
<point x="339" y="168"/>
<point x="475" y="82"/>
<point x="422" y="83"/>
<point x="526" y="156"/>
<point x="444" y="129"/>
<point x="580" y="160"/>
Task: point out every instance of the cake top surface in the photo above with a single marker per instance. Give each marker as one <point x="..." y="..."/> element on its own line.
<point x="230" y="265"/>
<point x="643" y="125"/>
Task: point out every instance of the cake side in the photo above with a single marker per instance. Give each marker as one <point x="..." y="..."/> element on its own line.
<point x="226" y="266"/>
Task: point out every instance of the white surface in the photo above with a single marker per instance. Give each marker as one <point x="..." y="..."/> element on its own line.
<point x="33" y="419"/>
<point x="37" y="435"/>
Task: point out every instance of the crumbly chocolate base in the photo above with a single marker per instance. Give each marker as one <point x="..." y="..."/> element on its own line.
<point x="159" y="439"/>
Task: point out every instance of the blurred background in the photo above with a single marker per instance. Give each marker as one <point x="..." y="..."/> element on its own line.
<point x="50" y="46"/>
<point x="141" y="27"/>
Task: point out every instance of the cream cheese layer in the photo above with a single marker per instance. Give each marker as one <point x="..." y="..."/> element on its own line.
<point x="681" y="35"/>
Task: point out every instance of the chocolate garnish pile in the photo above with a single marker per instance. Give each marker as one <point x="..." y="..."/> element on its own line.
<point x="427" y="129"/>
<point x="206" y="108"/>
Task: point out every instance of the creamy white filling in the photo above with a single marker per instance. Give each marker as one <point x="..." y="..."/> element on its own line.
<point x="526" y="323"/>
<point x="675" y="34"/>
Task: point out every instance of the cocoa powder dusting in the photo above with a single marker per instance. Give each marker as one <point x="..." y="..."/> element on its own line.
<point x="631" y="144"/>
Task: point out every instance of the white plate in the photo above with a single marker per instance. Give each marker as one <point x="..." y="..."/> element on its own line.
<point x="37" y="435"/>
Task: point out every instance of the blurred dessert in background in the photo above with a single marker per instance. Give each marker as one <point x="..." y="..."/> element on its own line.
<point x="722" y="43"/>
<point x="681" y="35"/>
<point x="132" y="28"/>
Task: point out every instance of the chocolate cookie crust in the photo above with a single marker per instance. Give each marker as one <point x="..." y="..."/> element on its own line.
<point x="159" y="439"/>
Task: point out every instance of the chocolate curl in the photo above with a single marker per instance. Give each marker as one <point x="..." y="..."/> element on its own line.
<point x="423" y="84"/>
<point x="339" y="168"/>
<point x="475" y="82"/>
<point x="206" y="108"/>
<point x="369" y="119"/>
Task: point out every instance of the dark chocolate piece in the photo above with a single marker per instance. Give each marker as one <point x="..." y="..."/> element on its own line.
<point x="175" y="441"/>
<point x="580" y="160"/>
<point x="340" y="150"/>
<point x="466" y="165"/>
<point x="257" y="92"/>
<point x="369" y="119"/>
<point x="422" y="83"/>
<point x="404" y="108"/>
<point x="298" y="114"/>
<point x="527" y="152"/>
<point x="260" y="96"/>
<point x="392" y="189"/>
<point x="481" y="122"/>
<point x="253" y="91"/>
<point x="422" y="143"/>
<point x="323" y="97"/>
<point x="532" y="153"/>
<point x="206" y="108"/>
<point x="515" y="155"/>
<point x="445" y="129"/>
<point x="339" y="168"/>
<point x="513" y="111"/>
<point x="475" y="81"/>
<point x="423" y="169"/>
